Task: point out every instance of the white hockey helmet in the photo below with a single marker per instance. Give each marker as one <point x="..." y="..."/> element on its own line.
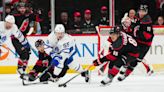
<point x="10" y="19"/>
<point x="124" y="18"/>
<point x="59" y="28"/>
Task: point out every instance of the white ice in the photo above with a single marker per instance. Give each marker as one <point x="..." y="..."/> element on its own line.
<point x="134" y="83"/>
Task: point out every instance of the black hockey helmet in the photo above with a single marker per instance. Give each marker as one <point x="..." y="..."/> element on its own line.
<point x="143" y="7"/>
<point x="39" y="42"/>
<point x="115" y="30"/>
<point x="21" y="4"/>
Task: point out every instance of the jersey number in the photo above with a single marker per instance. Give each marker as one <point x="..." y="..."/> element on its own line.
<point x="132" y="41"/>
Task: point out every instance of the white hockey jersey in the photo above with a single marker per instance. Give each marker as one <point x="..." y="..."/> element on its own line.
<point x="64" y="47"/>
<point x="6" y="34"/>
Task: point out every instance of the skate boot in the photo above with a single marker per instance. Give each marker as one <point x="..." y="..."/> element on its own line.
<point x="21" y="72"/>
<point x="106" y="81"/>
<point x="86" y="75"/>
<point x="121" y="77"/>
<point x="22" y="64"/>
<point x="150" y="71"/>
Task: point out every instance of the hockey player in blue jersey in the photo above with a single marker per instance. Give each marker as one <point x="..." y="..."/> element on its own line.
<point x="63" y="51"/>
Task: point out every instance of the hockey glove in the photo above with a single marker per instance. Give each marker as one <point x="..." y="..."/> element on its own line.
<point x="55" y="61"/>
<point x="27" y="46"/>
<point x="99" y="62"/>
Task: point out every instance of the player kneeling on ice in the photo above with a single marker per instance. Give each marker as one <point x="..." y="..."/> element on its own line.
<point x="123" y="51"/>
<point x="63" y="51"/>
<point x="41" y="65"/>
<point x="8" y="28"/>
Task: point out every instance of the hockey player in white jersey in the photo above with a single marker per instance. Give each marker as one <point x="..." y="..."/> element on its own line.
<point x="8" y="28"/>
<point x="63" y="51"/>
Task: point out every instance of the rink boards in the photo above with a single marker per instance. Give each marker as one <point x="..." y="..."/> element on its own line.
<point x="87" y="49"/>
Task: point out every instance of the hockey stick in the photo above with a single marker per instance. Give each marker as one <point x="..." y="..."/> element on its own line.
<point x="65" y="83"/>
<point x="34" y="51"/>
<point x="101" y="52"/>
<point x="16" y="54"/>
<point x="34" y="83"/>
<point x="39" y="76"/>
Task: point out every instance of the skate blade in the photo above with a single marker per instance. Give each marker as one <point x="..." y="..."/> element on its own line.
<point x="28" y="83"/>
<point x="104" y="85"/>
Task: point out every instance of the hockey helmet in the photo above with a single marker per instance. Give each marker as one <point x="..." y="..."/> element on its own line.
<point x="10" y="19"/>
<point x="59" y="28"/>
<point x="115" y="30"/>
<point x="39" y="42"/>
<point x="144" y="7"/>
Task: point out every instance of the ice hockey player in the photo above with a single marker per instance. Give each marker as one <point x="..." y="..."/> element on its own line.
<point x="143" y="33"/>
<point x="63" y="51"/>
<point x="43" y="62"/>
<point x="123" y="51"/>
<point x="8" y="29"/>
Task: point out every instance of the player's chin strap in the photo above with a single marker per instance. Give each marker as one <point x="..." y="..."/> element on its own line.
<point x="64" y="84"/>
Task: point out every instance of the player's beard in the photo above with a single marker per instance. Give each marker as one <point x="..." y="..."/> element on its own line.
<point x="7" y="26"/>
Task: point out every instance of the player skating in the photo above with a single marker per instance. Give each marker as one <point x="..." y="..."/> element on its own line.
<point x="63" y="51"/>
<point x="123" y="51"/>
<point x="8" y="29"/>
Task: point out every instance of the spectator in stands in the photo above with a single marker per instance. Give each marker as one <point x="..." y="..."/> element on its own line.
<point x="160" y="21"/>
<point x="8" y="9"/>
<point x="131" y="15"/>
<point x="77" y="23"/>
<point x="16" y="2"/>
<point x="104" y="19"/>
<point x="49" y="18"/>
<point x="43" y="24"/>
<point x="88" y="24"/>
<point x="64" y="19"/>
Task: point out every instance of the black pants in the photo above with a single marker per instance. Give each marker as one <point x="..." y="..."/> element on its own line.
<point x="143" y="49"/>
<point x="40" y="69"/>
<point x="24" y="54"/>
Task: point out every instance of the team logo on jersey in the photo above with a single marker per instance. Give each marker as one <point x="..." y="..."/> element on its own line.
<point x="3" y="38"/>
<point x="66" y="45"/>
<point x="24" y="25"/>
<point x="56" y="49"/>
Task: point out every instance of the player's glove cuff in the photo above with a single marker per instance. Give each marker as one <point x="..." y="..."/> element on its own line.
<point x="98" y="62"/>
<point x="26" y="45"/>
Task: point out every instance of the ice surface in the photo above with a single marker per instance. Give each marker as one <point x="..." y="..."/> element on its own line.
<point x="134" y="83"/>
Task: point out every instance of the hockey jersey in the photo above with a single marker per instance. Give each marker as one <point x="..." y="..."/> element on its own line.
<point x="24" y="22"/>
<point x="124" y="45"/>
<point x="142" y="30"/>
<point x="6" y="34"/>
<point x="64" y="48"/>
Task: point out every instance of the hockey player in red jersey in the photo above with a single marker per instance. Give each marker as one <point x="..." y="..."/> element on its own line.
<point x="42" y="63"/>
<point x="142" y="31"/>
<point x="123" y="51"/>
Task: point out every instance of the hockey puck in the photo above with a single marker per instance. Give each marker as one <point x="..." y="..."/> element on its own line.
<point x="62" y="85"/>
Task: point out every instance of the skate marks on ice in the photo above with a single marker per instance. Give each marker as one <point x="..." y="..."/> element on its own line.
<point x="133" y="83"/>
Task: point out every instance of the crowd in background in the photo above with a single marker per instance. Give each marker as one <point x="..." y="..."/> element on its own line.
<point x="78" y="22"/>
